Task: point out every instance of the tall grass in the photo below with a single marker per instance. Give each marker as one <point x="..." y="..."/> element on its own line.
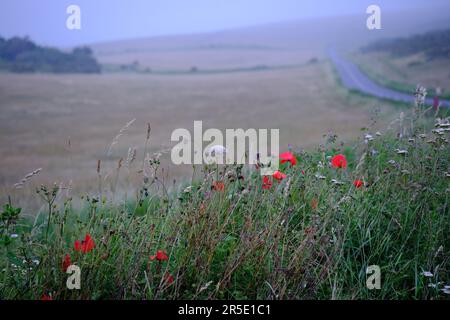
<point x="310" y="236"/>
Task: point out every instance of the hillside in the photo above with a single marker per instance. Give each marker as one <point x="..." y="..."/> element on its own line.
<point x="402" y="63"/>
<point x="433" y="44"/>
<point x="284" y="43"/>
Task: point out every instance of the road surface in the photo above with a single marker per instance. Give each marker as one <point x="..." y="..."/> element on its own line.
<point x="353" y="78"/>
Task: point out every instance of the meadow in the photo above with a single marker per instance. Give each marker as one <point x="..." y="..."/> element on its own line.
<point x="308" y="232"/>
<point x="86" y="177"/>
<point x="64" y="124"/>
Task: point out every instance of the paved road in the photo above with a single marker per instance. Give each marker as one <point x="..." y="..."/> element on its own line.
<point x="353" y="78"/>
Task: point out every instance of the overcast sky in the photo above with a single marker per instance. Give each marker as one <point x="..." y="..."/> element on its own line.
<point x="102" y="20"/>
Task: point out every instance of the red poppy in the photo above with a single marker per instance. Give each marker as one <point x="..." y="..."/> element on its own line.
<point x="46" y="297"/>
<point x="169" y="278"/>
<point x="66" y="262"/>
<point x="339" y="161"/>
<point x="358" y="183"/>
<point x="288" y="157"/>
<point x="85" y="245"/>
<point x="218" y="186"/>
<point x="279" y="176"/>
<point x="160" y="256"/>
<point x="267" y="183"/>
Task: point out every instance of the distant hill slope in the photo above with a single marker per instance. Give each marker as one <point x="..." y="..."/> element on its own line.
<point x="24" y="56"/>
<point x="434" y="44"/>
<point x="283" y="43"/>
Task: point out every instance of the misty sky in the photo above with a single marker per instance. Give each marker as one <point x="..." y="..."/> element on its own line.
<point x="103" y="20"/>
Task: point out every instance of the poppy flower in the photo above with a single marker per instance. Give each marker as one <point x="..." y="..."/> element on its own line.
<point x="288" y="157"/>
<point x="339" y="161"/>
<point x="267" y="183"/>
<point x="160" y="256"/>
<point x="168" y="278"/>
<point x="279" y="176"/>
<point x="85" y="245"/>
<point x="358" y="183"/>
<point x="66" y="262"/>
<point x="46" y="297"/>
<point x="218" y="186"/>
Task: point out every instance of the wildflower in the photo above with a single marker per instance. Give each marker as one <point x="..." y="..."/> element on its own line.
<point x="420" y="95"/>
<point x="168" y="278"/>
<point x="218" y="149"/>
<point x="339" y="161"/>
<point x="313" y="204"/>
<point x="439" y="131"/>
<point x="66" y="262"/>
<point x="160" y="256"/>
<point x="218" y="186"/>
<point x="337" y="182"/>
<point x="427" y="274"/>
<point x="278" y="175"/>
<point x="14" y="236"/>
<point x="368" y="137"/>
<point x="267" y="183"/>
<point x="214" y="155"/>
<point x="288" y="157"/>
<point x="402" y="152"/>
<point x="85" y="245"/>
<point x="320" y="177"/>
<point x="46" y="297"/>
<point x="358" y="183"/>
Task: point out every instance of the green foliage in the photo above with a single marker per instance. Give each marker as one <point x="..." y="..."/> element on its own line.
<point x="311" y="236"/>
<point x="22" y="55"/>
<point x="435" y="44"/>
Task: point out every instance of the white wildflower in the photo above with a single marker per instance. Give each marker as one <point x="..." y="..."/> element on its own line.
<point x="337" y="182"/>
<point x="368" y="137"/>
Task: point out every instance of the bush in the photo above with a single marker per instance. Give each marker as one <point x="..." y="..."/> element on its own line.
<point x="22" y="55"/>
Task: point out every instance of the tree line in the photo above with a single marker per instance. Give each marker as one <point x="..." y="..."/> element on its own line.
<point x="434" y="44"/>
<point x="24" y="56"/>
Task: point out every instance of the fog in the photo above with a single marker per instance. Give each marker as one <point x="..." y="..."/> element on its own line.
<point x="107" y="20"/>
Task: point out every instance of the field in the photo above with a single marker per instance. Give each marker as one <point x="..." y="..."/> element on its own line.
<point x="311" y="233"/>
<point x="365" y="183"/>
<point x="42" y="113"/>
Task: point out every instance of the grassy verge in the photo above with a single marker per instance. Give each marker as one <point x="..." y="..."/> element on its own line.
<point x="232" y="235"/>
<point x="391" y="84"/>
